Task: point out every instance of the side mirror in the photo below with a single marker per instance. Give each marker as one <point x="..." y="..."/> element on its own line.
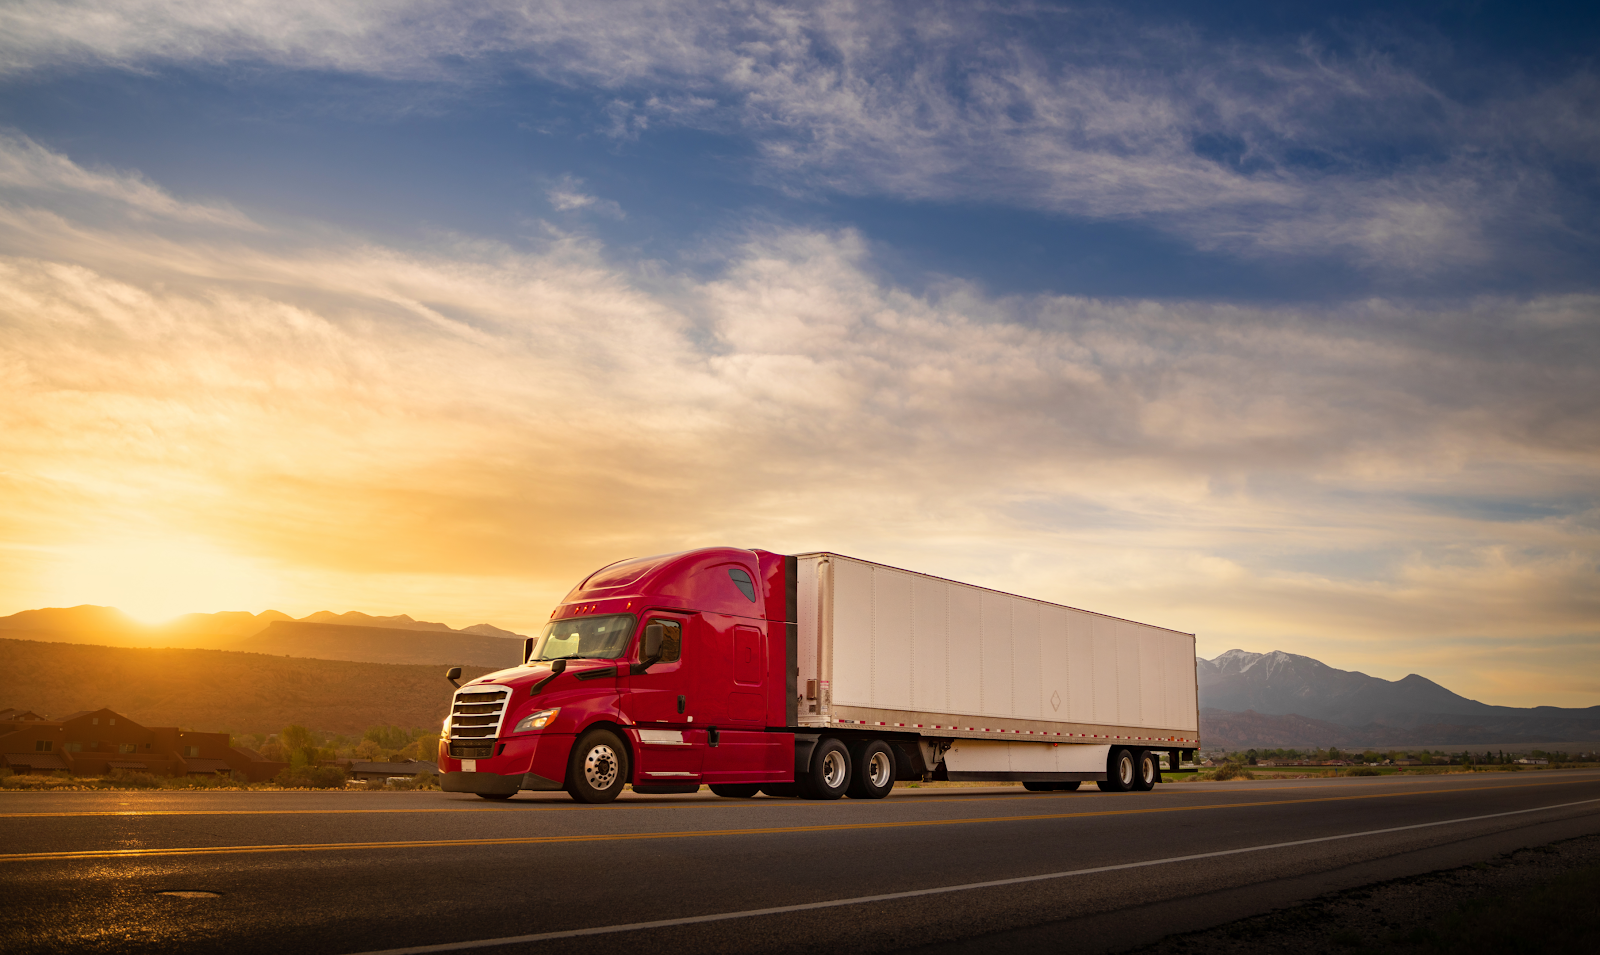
<point x="453" y="674"/>
<point x="527" y="649"/>
<point x="650" y="647"/>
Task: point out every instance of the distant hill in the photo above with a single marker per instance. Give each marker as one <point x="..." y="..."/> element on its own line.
<point x="383" y="644"/>
<point x="108" y="626"/>
<point x="1284" y="699"/>
<point x="218" y="689"/>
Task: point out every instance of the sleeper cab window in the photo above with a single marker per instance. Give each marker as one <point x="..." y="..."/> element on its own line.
<point x="671" y="640"/>
<point x="741" y="579"/>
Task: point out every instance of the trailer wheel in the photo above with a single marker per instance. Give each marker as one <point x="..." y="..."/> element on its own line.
<point x="829" y="775"/>
<point x="1038" y="787"/>
<point x="599" y="767"/>
<point x="735" y="790"/>
<point x="1070" y="786"/>
<point x="1120" y="772"/>
<point x="871" y="770"/>
<point x="1148" y="772"/>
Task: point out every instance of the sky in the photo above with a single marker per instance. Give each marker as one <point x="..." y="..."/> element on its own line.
<point x="1276" y="326"/>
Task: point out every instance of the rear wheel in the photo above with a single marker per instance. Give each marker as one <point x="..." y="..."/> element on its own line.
<point x="829" y="775"/>
<point x="735" y="790"/>
<point x="1038" y="787"/>
<point x="599" y="767"/>
<point x="871" y="770"/>
<point x="781" y="790"/>
<point x="1120" y="772"/>
<point x="1147" y="771"/>
<point x="495" y="795"/>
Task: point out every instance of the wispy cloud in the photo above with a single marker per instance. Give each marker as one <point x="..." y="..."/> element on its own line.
<point x="472" y="427"/>
<point x="1257" y="149"/>
<point x="567" y="195"/>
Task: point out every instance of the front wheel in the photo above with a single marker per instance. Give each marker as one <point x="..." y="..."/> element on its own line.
<point x="598" y="768"/>
<point x="829" y="775"/>
<point x="735" y="790"/>
<point x="494" y="795"/>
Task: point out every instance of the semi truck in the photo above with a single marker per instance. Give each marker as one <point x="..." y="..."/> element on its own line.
<point x="817" y="676"/>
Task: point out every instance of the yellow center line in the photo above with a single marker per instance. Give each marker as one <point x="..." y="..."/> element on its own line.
<point x="693" y="834"/>
<point x="524" y="807"/>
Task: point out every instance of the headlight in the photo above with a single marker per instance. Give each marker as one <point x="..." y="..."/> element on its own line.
<point x="536" y="721"/>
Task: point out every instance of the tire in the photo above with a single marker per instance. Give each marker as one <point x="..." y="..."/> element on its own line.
<point x="1146" y="771"/>
<point x="1038" y="787"/>
<point x="598" y="768"/>
<point x="829" y="775"/>
<point x="735" y="790"/>
<point x="1071" y="786"/>
<point x="781" y="790"/>
<point x="1120" y="772"/>
<point x="871" y="770"/>
<point x="495" y="795"/>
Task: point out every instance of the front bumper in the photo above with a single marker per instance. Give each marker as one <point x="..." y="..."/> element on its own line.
<point x="537" y="762"/>
<point x="494" y="784"/>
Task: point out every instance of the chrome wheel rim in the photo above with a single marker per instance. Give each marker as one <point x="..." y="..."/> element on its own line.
<point x="833" y="769"/>
<point x="879" y="770"/>
<point x="1147" y="770"/>
<point x="1125" y="770"/>
<point x="600" y="767"/>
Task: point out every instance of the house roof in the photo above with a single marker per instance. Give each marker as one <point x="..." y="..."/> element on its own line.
<point x="205" y="765"/>
<point x="408" y="768"/>
<point x="36" y="760"/>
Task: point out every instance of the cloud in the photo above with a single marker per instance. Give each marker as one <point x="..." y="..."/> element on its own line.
<point x="30" y="172"/>
<point x="472" y="426"/>
<point x="1263" y="148"/>
<point x="567" y="196"/>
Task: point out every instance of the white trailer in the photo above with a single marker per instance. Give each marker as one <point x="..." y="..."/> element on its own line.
<point x="977" y="684"/>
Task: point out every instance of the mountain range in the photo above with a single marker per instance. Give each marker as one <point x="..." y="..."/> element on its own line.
<point x="1285" y="699"/>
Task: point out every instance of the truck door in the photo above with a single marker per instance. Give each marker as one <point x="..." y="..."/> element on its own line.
<point x="671" y="748"/>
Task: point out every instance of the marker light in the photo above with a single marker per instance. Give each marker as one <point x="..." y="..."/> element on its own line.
<point x="536" y="721"/>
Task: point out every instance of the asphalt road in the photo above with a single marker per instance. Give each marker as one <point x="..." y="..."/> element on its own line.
<point x="360" y="872"/>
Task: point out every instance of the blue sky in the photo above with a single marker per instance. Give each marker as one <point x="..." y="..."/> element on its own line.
<point x="1278" y="325"/>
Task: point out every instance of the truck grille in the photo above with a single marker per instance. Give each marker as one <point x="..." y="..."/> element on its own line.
<point x="475" y="717"/>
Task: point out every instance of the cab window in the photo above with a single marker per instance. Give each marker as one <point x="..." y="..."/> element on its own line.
<point x="671" y="639"/>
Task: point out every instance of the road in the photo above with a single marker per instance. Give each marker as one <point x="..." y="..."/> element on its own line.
<point x="354" y="872"/>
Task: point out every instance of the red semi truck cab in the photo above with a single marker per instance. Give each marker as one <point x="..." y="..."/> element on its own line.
<point x="666" y="673"/>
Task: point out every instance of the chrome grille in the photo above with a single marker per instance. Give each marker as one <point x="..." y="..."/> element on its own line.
<point x="475" y="717"/>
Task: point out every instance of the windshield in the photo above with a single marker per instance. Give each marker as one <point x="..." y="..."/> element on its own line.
<point x="584" y="638"/>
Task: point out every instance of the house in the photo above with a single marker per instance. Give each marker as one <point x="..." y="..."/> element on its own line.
<point x="1533" y="761"/>
<point x="97" y="742"/>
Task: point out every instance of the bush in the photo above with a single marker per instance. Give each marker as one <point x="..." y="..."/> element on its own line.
<point x="1230" y="771"/>
<point x="311" y="777"/>
<point x="128" y="779"/>
<point x="1364" y="771"/>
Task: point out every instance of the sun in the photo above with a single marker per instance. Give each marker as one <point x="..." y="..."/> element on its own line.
<point x="156" y="580"/>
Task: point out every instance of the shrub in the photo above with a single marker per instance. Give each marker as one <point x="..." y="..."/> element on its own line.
<point x="1364" y="771"/>
<point x="1230" y="771"/>
<point x="128" y="779"/>
<point x="311" y="777"/>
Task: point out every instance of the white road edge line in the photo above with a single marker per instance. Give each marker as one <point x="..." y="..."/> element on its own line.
<point x="916" y="893"/>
